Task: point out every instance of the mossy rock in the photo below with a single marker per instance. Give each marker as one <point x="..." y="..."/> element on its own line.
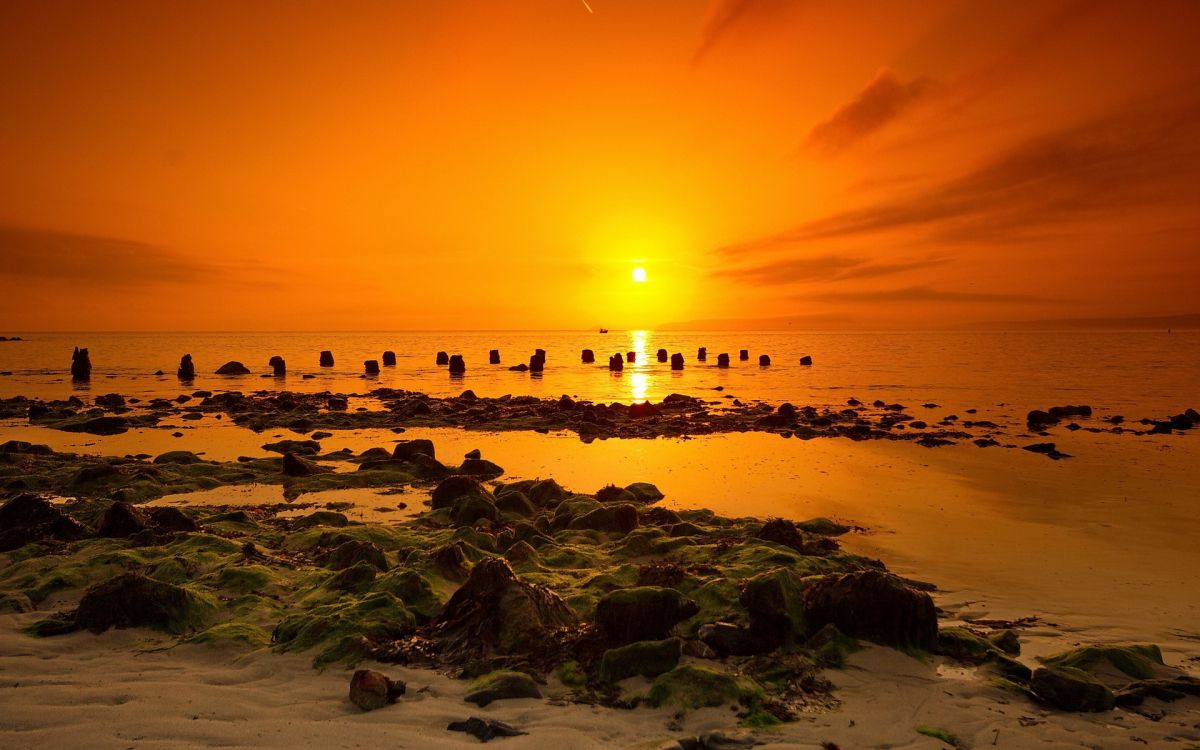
<point x="172" y="570"/>
<point x="615" y="519"/>
<point x="241" y="635"/>
<point x="645" y="493"/>
<point x="1007" y="641"/>
<point x="645" y="658"/>
<point x="831" y="647"/>
<point x="689" y="687"/>
<point x="355" y="579"/>
<point x="321" y="518"/>
<point x="501" y="685"/>
<point x="244" y="579"/>
<point x="132" y="600"/>
<point x="516" y="503"/>
<point x="643" y="613"/>
<point x="823" y="527"/>
<point x="963" y="645"/>
<point x="340" y="628"/>
<point x="1110" y="663"/>
<point x="234" y="520"/>
<point x="774" y="602"/>
<point x="1071" y="689"/>
<point x="470" y="509"/>
<point x="452" y="489"/>
<point x="413" y="589"/>
<point x="353" y="552"/>
<point x="546" y="493"/>
<point x="178" y="457"/>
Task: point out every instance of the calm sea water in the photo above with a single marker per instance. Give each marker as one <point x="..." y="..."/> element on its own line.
<point x="1136" y="373"/>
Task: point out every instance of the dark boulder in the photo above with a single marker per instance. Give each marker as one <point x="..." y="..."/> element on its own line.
<point x="326" y="359"/>
<point x="371" y="366"/>
<point x="764" y="360"/>
<point x="494" y="613"/>
<point x="294" y="466"/>
<point x="806" y="360"/>
<point x="370" y="689"/>
<point x="406" y="449"/>
<point x="500" y="686"/>
<point x="1071" y="689"/>
<point x="728" y="639"/>
<point x="389" y="359"/>
<point x="337" y="403"/>
<point x="588" y="356"/>
<point x="81" y="365"/>
<point x="351" y="553"/>
<point x="443" y="358"/>
<point x="278" y="366"/>
<point x="107" y="425"/>
<point x="494" y="357"/>
<point x="644" y="613"/>
<point x="480" y="467"/>
<point x="722" y="360"/>
<point x="774" y="603"/>
<point x="537" y="363"/>
<point x="122" y="520"/>
<point x="1038" y="420"/>
<point x="131" y="600"/>
<point x="233" y="367"/>
<point x="1065" y="412"/>
<point x="785" y="532"/>
<point x="172" y="519"/>
<point x="187" y="370"/>
<point x="456" y="487"/>
<point x="676" y="361"/>
<point x="645" y="658"/>
<point x="457" y="365"/>
<point x="618" y="519"/>
<point x="111" y="401"/>
<point x="875" y="606"/>
<point x="29" y="518"/>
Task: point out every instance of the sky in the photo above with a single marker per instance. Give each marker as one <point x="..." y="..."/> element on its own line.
<point x="508" y="165"/>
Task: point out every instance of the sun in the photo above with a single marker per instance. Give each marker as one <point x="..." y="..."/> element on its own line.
<point x="639" y="275"/>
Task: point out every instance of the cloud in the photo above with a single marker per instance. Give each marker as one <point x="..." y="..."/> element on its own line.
<point x="1095" y="171"/>
<point x="53" y="255"/>
<point x="822" y="268"/>
<point x="884" y="99"/>
<point x="924" y="294"/>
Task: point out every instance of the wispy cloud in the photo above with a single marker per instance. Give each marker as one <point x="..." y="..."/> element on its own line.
<point x="883" y="100"/>
<point x="722" y="15"/>
<point x="53" y="255"/>
<point x="831" y="267"/>
<point x="924" y="294"/>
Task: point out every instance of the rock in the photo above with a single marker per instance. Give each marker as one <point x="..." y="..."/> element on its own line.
<point x="689" y="686"/>
<point x="370" y="690"/>
<point x="494" y="357"/>
<point x="701" y="354"/>
<point x="1038" y="420"/>
<point x="515" y="502"/>
<point x="172" y="519"/>
<point x="351" y="553"/>
<point x="728" y="639"/>
<point x="661" y="354"/>
<point x="588" y="356"/>
<point x="187" y="370"/>
<point x="1064" y="412"/>
<point x="107" y="425"/>
<point x="473" y="453"/>
<point x="1071" y="689"/>
<point x="443" y="358"/>
<point x="806" y="361"/>
<point x="722" y="360"/>
<point x="337" y="403"/>
<point x="1007" y="641"/>
<point x="774" y="603"/>
<point x="29" y="518"/>
<point x="787" y="533"/>
<point x="326" y="359"/>
<point x="618" y="519"/>
<point x="81" y="365"/>
<point x="644" y="492"/>
<point x="468" y="510"/>
<point x="546" y="493"/>
<point x="278" y="366"/>
<point x="371" y="366"/>
<point x="644" y="613"/>
<point x="744" y="354"/>
<point x="875" y="606"/>
<point x="294" y="466"/>
<point x="616" y="363"/>
<point x="480" y="467"/>
<point x="122" y="520"/>
<point x="537" y="363"/>
<point x="233" y="367"/>
<point x="496" y="613"/>
<point x="407" y="449"/>
<point x="1046" y="449"/>
<point x="298" y="447"/>
<point x="676" y="361"/>
<point x="457" y="365"/>
<point x="484" y="730"/>
<point x="764" y="360"/>
<point x="389" y="359"/>
<point x="645" y="658"/>
<point x="455" y="487"/>
<point x="132" y="600"/>
<point x="502" y="686"/>
<point x="111" y="401"/>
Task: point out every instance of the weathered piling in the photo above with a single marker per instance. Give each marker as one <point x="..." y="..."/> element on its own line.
<point x="389" y="359"/>
<point x="81" y="365"/>
<point x="278" y="366"/>
<point x="677" y="361"/>
<point x="187" y="370"/>
<point x="327" y="359"/>
<point x="457" y="364"/>
<point x="588" y="356"/>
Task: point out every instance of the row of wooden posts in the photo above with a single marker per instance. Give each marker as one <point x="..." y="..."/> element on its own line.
<point x="81" y="366"/>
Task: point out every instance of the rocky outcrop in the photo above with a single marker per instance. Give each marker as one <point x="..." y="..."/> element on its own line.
<point x="233" y="367"/>
<point x="132" y="600"/>
<point x="644" y="613"/>
<point x="874" y="606"/>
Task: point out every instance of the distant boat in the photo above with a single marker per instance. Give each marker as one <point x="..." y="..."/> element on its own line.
<point x="603" y="330"/>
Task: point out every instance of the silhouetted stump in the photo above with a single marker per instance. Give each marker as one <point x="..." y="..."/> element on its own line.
<point x="371" y="367"/>
<point x="541" y="353"/>
<point x="616" y="363"/>
<point x="744" y="354"/>
<point x="443" y="358"/>
<point x="494" y="357"/>
<point x="187" y="370"/>
<point x="389" y="359"/>
<point x="278" y="366"/>
<point x="537" y="362"/>
<point x="457" y="365"/>
<point x="722" y="360"/>
<point x="662" y="355"/>
<point x="327" y="359"/>
<point x="630" y="356"/>
<point x="81" y="365"/>
<point x="702" y="354"/>
<point x="764" y="360"/>
<point x="676" y="361"/>
<point x="588" y="356"/>
<point x="806" y="360"/>
<point x="233" y="367"/>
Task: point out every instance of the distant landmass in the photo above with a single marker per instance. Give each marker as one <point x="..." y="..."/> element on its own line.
<point x="1163" y="322"/>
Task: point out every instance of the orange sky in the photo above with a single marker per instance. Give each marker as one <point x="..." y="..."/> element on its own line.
<point x="506" y="164"/>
